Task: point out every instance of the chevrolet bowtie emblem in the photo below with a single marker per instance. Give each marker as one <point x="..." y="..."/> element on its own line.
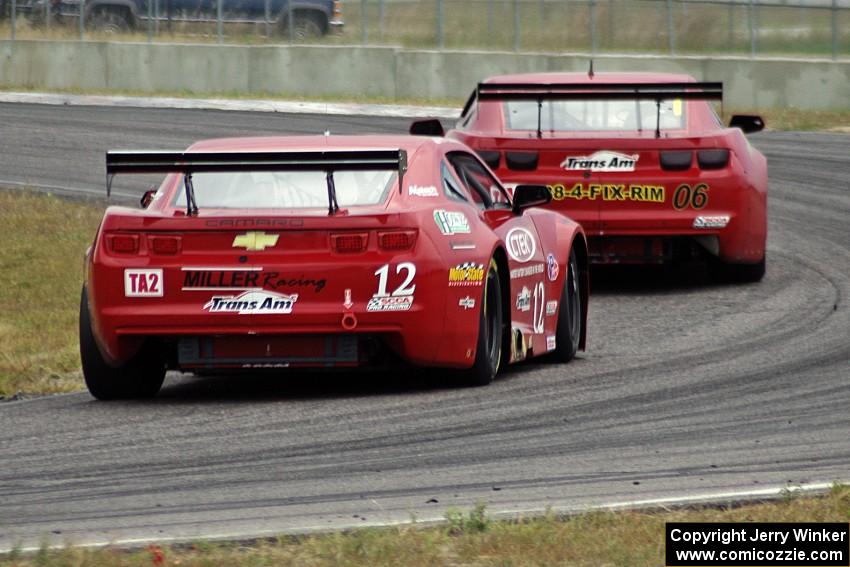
<point x="255" y="240"/>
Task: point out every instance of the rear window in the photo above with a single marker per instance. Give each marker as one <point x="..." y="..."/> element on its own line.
<point x="287" y="189"/>
<point x="594" y="115"/>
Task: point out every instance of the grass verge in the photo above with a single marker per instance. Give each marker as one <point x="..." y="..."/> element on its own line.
<point x="41" y="261"/>
<point x="594" y="539"/>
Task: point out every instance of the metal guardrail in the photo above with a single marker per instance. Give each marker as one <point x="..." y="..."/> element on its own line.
<point x="753" y="27"/>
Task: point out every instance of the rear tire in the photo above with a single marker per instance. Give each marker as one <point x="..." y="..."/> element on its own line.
<point x="568" y="333"/>
<point x="739" y="273"/>
<point x="488" y="353"/>
<point x="140" y="377"/>
<point x="304" y="26"/>
<point x="110" y="21"/>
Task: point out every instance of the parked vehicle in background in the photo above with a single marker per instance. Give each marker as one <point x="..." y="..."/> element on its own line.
<point x="641" y="160"/>
<point x="310" y="18"/>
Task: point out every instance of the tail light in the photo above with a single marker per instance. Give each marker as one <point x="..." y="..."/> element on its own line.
<point x="397" y="240"/>
<point x="521" y="161"/>
<point x="676" y="160"/>
<point x="169" y="245"/>
<point x="123" y="243"/>
<point x="713" y="159"/>
<point x="490" y="158"/>
<point x="338" y="10"/>
<point x="349" y="243"/>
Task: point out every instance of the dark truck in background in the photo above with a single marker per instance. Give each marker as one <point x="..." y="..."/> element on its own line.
<point x="310" y="18"/>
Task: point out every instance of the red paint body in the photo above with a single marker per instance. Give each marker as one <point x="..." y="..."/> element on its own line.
<point x="624" y="230"/>
<point x="436" y="331"/>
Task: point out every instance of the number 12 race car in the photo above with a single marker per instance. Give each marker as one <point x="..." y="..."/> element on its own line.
<point x="640" y="160"/>
<point x="271" y="253"/>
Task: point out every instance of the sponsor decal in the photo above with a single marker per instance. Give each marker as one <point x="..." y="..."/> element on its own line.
<point x="608" y="192"/>
<point x="718" y="221"/>
<point x="603" y="160"/>
<point x="143" y="283"/>
<point x="450" y="222"/>
<point x="206" y="279"/>
<point x="255" y="240"/>
<point x="551" y="307"/>
<point x="521" y="245"/>
<point x="254" y="223"/>
<point x="527" y="271"/>
<point x="466" y="274"/>
<point x="418" y="191"/>
<point x="255" y="302"/>
<point x="552" y="267"/>
<point x="348" y="303"/>
<point x="523" y="300"/>
<point x="550" y="342"/>
<point x="696" y="197"/>
<point x="467" y="303"/>
<point x="390" y="303"/>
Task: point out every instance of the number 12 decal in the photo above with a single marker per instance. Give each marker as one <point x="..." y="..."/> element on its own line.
<point x="539" y="307"/>
<point x="405" y="288"/>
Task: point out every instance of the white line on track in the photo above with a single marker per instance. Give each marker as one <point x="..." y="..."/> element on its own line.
<point x="729" y="497"/>
<point x="250" y="105"/>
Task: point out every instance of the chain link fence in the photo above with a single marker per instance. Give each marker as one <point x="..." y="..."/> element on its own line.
<point x="813" y="28"/>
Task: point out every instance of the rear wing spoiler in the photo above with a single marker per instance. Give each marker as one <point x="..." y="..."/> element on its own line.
<point x="189" y="163"/>
<point x="595" y="91"/>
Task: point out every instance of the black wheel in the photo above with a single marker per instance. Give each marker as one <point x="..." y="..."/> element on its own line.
<point x="488" y="353"/>
<point x="304" y="26"/>
<point x="110" y="21"/>
<point x="568" y="333"/>
<point x="141" y="377"/>
<point x="739" y="273"/>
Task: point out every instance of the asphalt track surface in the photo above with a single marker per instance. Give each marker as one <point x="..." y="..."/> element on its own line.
<point x="687" y="388"/>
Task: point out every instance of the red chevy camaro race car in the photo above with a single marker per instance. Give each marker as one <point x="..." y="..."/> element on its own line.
<point x="640" y="160"/>
<point x="269" y="253"/>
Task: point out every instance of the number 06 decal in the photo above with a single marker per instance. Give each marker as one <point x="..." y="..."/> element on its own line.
<point x="696" y="197"/>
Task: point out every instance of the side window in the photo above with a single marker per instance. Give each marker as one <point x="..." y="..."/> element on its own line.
<point x="486" y="191"/>
<point x="451" y="187"/>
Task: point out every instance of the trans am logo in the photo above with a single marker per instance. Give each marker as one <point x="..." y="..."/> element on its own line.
<point x="601" y="161"/>
<point x="253" y="303"/>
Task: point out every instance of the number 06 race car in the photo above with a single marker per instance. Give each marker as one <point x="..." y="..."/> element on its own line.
<point x="640" y="160"/>
<point x="269" y="253"/>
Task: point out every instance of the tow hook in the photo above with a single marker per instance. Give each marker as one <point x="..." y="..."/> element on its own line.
<point x="349" y="319"/>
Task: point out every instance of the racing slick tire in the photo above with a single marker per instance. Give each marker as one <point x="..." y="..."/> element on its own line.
<point x="568" y="332"/>
<point x="739" y="273"/>
<point x="140" y="377"/>
<point x="488" y="352"/>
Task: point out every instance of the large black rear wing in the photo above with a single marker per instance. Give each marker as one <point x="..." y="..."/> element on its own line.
<point x="595" y="91"/>
<point x="189" y="163"/>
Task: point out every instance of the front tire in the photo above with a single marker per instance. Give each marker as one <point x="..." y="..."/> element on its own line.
<point x="140" y="377"/>
<point x="488" y="353"/>
<point x="304" y="26"/>
<point x="570" y="320"/>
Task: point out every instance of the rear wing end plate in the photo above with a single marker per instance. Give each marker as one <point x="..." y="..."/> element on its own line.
<point x="188" y="163"/>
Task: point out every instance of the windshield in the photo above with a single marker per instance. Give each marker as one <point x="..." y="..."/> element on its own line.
<point x="594" y="115"/>
<point x="287" y="189"/>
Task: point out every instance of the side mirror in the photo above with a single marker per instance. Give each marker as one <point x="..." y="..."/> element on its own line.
<point x="427" y="127"/>
<point x="748" y="123"/>
<point x="147" y="198"/>
<point x="526" y="196"/>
